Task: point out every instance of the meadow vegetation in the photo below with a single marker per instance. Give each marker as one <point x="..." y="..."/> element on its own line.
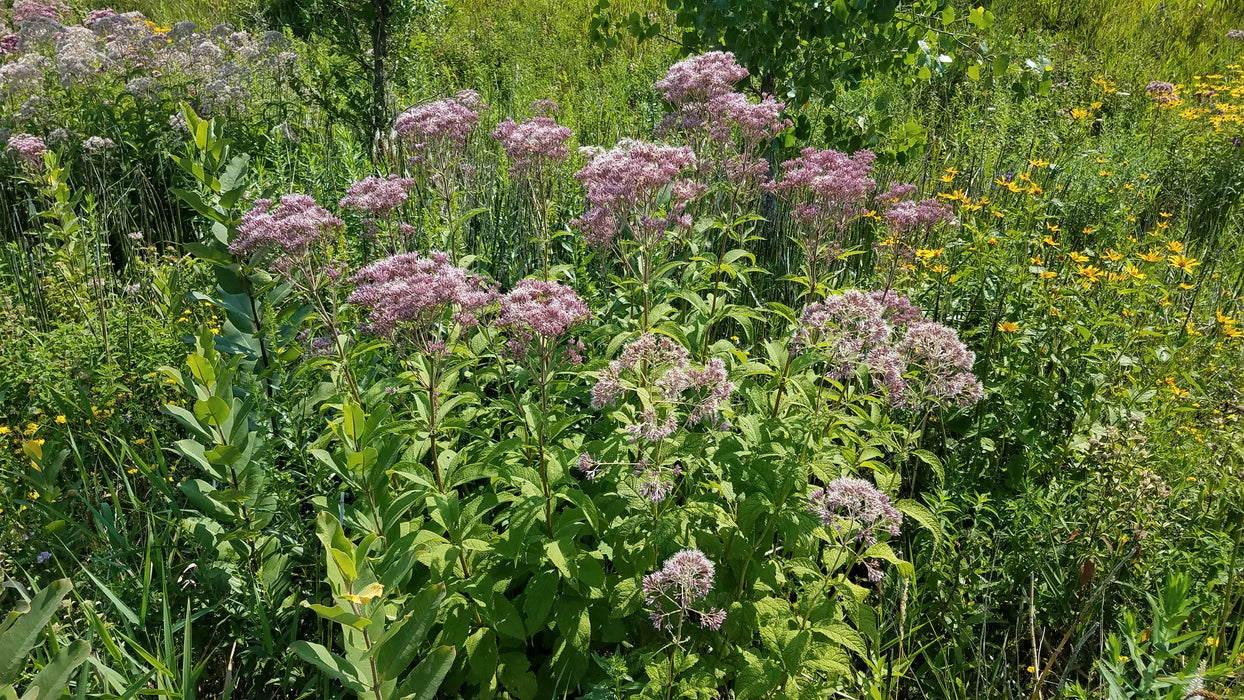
<point x="528" y="349"/>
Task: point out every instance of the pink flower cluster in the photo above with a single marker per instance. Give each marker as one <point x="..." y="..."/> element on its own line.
<point x="95" y="15"/>
<point x="825" y="189"/>
<point x="291" y="228"/>
<point x="448" y="120"/>
<point x="9" y="44"/>
<point x="30" y="148"/>
<point x="533" y="309"/>
<point x="377" y="195"/>
<point x="623" y="185"/>
<point x="414" y="292"/>
<point x="662" y="366"/>
<point x="533" y="143"/>
<point x="27" y="9"/>
<point x="700" y="78"/>
<point x="920" y="215"/>
<point x="757" y="122"/>
<point x="918" y="361"/>
<point x="847" y="503"/>
<point x="671" y="592"/>
<point x="1162" y="92"/>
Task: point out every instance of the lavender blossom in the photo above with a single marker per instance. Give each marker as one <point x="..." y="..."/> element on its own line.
<point x="671" y="592"/>
<point x="855" y="507"/>
<point x="294" y="226"/>
<point x="29" y="148"/>
<point x="442" y="121"/>
<point x="535" y="309"/>
<point x="589" y="465"/>
<point x="825" y="189"/>
<point x="414" y="292"/>
<point x="377" y="195"/>
<point x="700" y="78"/>
<point x="624" y="183"/>
<point x="533" y="143"/>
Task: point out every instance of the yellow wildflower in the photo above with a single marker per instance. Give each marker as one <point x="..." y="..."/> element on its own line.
<point x="1008" y="326"/>
<point x="1183" y="263"/>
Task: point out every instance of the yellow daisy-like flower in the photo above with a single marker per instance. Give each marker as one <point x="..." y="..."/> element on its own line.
<point x="1008" y="326"/>
<point x="1113" y="255"/>
<point x="4" y="430"/>
<point x="1049" y="240"/>
<point x="1087" y="230"/>
<point x="1078" y="257"/>
<point x="1052" y="227"/>
<point x="1223" y="318"/>
<point x="1175" y="246"/>
<point x="1078" y="113"/>
<point x="1231" y="332"/>
<point x="938" y="269"/>
<point x="61" y="420"/>
<point x="1036" y="260"/>
<point x="1033" y="189"/>
<point x="1183" y="263"/>
<point x="997" y="213"/>
<point x="1038" y="163"/>
<point x="1185" y="286"/>
<point x="1152" y="256"/>
<point x="1105" y="173"/>
<point x="1134" y="271"/>
<point x="1165" y="215"/>
<point x="929" y="253"/>
<point x="1092" y="273"/>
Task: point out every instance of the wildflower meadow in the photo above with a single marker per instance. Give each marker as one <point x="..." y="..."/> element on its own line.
<point x="521" y="349"/>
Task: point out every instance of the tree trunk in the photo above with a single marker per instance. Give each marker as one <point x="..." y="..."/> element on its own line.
<point x="379" y="78"/>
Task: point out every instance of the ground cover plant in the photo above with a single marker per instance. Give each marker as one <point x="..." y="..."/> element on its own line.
<point x="395" y="357"/>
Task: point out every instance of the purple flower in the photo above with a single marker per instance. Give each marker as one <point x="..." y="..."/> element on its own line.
<point x="28" y="9"/>
<point x="847" y="504"/>
<point x="845" y="327"/>
<point x="290" y="229"/>
<point x="661" y="367"/>
<point x="1163" y="93"/>
<point x="533" y="143"/>
<point x="652" y="482"/>
<point x="589" y="465"/>
<point x="377" y="195"/>
<point x="700" y="78"/>
<point x="543" y="108"/>
<point x="625" y="183"/>
<point x="825" y="188"/>
<point x="444" y="120"/>
<point x="95" y="15"/>
<point x="671" y="592"/>
<point x="43" y="556"/>
<point x="414" y="292"/>
<point x="942" y="363"/>
<point x="547" y="310"/>
<point x="907" y="216"/>
<point x="9" y="44"/>
<point x="30" y="148"/>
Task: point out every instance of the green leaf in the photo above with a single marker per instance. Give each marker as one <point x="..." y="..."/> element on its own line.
<point x="214" y="411"/>
<point x="353" y="420"/>
<point x="396" y="650"/>
<point x="481" y="649"/>
<point x="329" y="663"/>
<point x="201" y="369"/>
<point x="22" y="635"/>
<point x="425" y="680"/>
<point x="52" y="680"/>
<point x="974" y="72"/>
<point x="916" y="511"/>
<point x="882" y="550"/>
<point x="340" y="615"/>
